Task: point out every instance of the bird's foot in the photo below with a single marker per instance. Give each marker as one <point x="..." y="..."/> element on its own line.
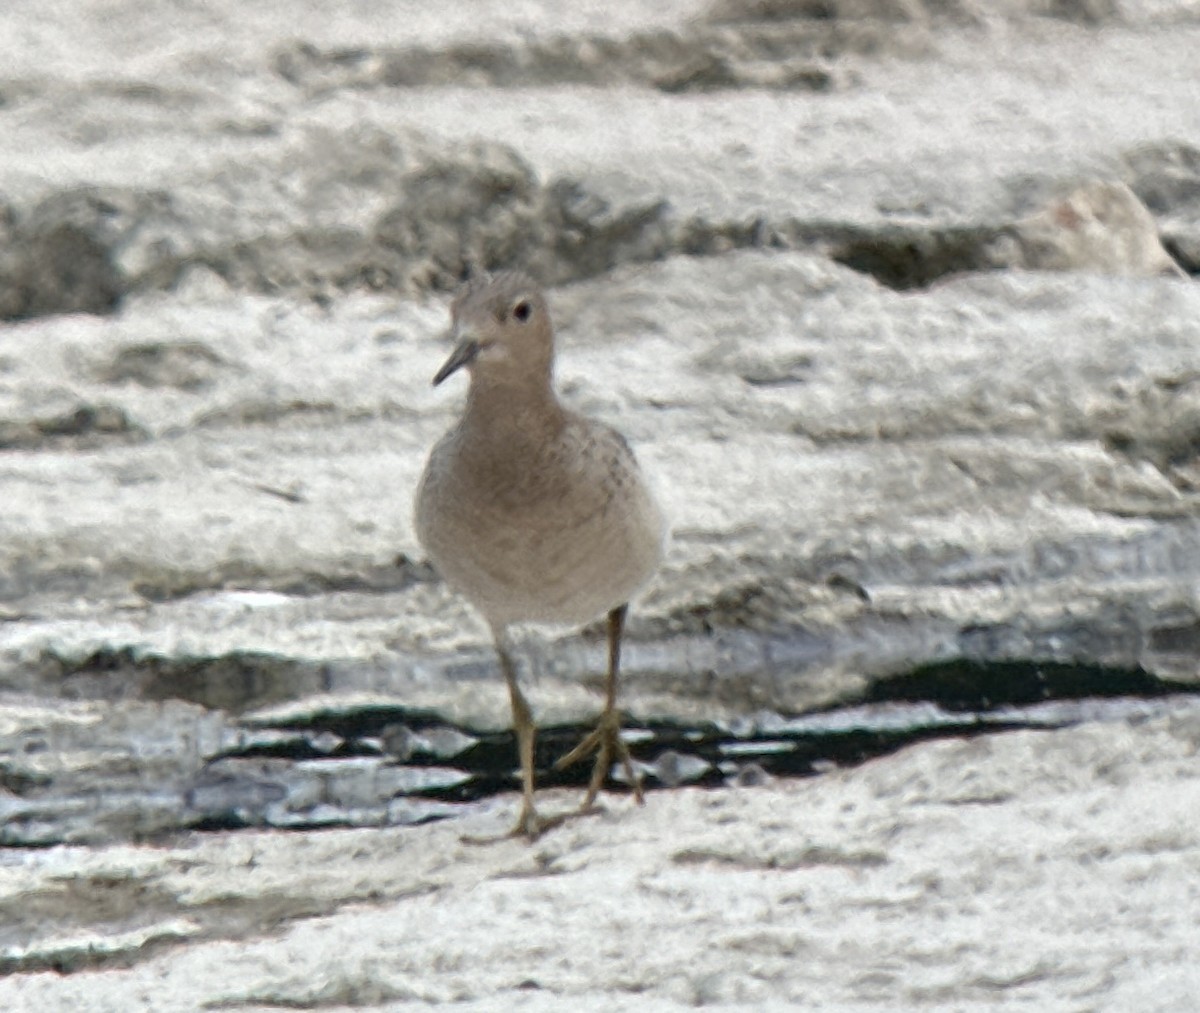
<point x="530" y="825"/>
<point x="605" y="741"/>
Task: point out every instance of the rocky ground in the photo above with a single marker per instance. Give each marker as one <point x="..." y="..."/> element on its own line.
<point x="897" y="303"/>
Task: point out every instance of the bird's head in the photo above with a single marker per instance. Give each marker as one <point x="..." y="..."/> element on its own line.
<point x="501" y="329"/>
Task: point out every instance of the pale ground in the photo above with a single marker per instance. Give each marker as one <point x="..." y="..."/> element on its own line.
<point x="1005" y="463"/>
<point x="1048" y="871"/>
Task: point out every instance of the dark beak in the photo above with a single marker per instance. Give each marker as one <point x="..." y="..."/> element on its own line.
<point x="462" y="355"/>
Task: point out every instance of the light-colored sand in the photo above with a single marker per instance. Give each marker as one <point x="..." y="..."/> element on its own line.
<point x="206" y="493"/>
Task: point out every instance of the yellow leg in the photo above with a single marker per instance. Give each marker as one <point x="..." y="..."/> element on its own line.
<point x="528" y="823"/>
<point x="606" y="741"/>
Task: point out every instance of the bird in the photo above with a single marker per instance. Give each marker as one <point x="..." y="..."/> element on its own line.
<point x="534" y="513"/>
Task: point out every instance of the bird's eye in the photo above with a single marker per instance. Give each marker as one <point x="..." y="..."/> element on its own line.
<point x="522" y="310"/>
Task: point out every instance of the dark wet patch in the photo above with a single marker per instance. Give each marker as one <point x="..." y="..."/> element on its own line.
<point x="230" y="682"/>
<point x="907" y="257"/>
<point x="90" y="908"/>
<point x="257" y="413"/>
<point x="792" y="55"/>
<point x="64" y="254"/>
<point x="953" y="699"/>
<point x="86" y="425"/>
<point x="158" y="768"/>
<point x="1185" y="249"/>
<point x="185" y="365"/>
<point x="107" y="920"/>
<point x="964" y="685"/>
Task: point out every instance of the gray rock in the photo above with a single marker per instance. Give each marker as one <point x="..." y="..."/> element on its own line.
<point x="1099" y="227"/>
<point x="1167" y="178"/>
<point x="188" y="365"/>
<point x="737" y="53"/>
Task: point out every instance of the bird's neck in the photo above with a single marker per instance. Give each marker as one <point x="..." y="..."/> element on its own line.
<point x="513" y="408"/>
